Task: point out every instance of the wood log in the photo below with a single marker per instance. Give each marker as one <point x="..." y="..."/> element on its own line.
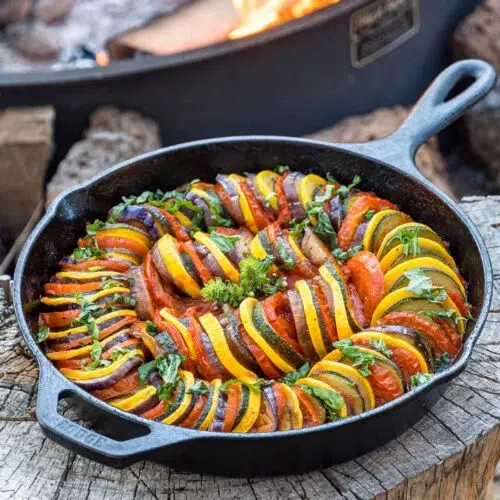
<point x="450" y="453"/>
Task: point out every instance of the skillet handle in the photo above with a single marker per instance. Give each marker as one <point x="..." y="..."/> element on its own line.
<point x="86" y="442"/>
<point x="431" y="114"/>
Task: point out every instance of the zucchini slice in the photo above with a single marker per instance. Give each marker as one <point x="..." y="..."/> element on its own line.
<point x="331" y="365"/>
<point x="428" y="248"/>
<point x="226" y="265"/>
<point x="215" y="333"/>
<point x="392" y="344"/>
<point x="307" y="188"/>
<point x="344" y="319"/>
<point x="404" y="301"/>
<point x="261" y="332"/>
<point x="186" y="335"/>
<point x="313" y="382"/>
<point x="392" y="239"/>
<point x="441" y="275"/>
<point x="314" y="320"/>
<point x="177" y="413"/>
<point x="247" y="419"/>
<point x="290" y="414"/>
<point x="167" y="247"/>
<point x="381" y="224"/>
<point x="209" y="413"/>
<point x="265" y="182"/>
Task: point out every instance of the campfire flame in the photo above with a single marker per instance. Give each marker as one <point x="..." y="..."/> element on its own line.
<point x="260" y="15"/>
<point x="102" y="58"/>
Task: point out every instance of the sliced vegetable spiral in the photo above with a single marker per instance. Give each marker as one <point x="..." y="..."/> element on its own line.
<point x="264" y="302"/>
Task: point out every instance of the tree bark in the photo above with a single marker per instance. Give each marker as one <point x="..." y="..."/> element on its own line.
<point x="450" y="453"/>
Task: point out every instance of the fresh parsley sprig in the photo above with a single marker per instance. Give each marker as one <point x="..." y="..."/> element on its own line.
<point x="331" y="400"/>
<point x="419" y="379"/>
<point x="342" y="256"/>
<point x="167" y="368"/>
<point x="361" y="360"/>
<point x="421" y="285"/>
<point x="292" y="377"/>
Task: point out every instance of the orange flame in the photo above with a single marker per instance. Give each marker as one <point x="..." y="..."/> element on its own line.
<point x="260" y="15"/>
<point x="102" y="58"/>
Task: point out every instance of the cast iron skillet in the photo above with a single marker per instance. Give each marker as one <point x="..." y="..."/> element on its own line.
<point x="385" y="166"/>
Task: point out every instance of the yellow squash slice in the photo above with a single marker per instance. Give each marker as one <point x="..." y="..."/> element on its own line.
<point x="265" y="182"/>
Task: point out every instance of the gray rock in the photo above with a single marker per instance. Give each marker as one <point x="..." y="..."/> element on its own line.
<point x="381" y="123"/>
<point x="478" y="37"/>
<point x="12" y="11"/>
<point x="25" y="150"/>
<point x="52" y="10"/>
<point x="113" y="136"/>
<point x="33" y="39"/>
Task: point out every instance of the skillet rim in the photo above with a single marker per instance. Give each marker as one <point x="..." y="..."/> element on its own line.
<point x="192" y="434"/>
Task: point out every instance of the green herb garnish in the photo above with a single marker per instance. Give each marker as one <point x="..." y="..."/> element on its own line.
<point x="198" y="388"/>
<point x="421" y="285"/>
<point x="151" y="328"/>
<point x="95" y="356"/>
<point x="97" y="225"/>
<point x="298" y="228"/>
<point x="224" y="242"/>
<point x="343" y="191"/>
<point x="88" y="252"/>
<point x="43" y="333"/>
<point x="380" y="346"/>
<point x="325" y="231"/>
<point x="281" y="169"/>
<point x="361" y="360"/>
<point x="118" y="353"/>
<point x="409" y="240"/>
<point x="331" y="400"/>
<point x="342" y="256"/>
<point x="167" y="369"/>
<point x="450" y="313"/>
<point x="111" y="284"/>
<point x="285" y="256"/>
<point x="442" y="362"/>
<point x="419" y="379"/>
<point x="254" y="281"/>
<point x="292" y="377"/>
<point x="369" y="214"/>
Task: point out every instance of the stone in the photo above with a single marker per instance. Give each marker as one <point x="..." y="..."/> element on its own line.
<point x="477" y="37"/>
<point x="52" y="10"/>
<point x="12" y="11"/>
<point x="478" y="34"/>
<point x="381" y="123"/>
<point x="33" y="39"/>
<point x="113" y="136"/>
<point x="26" y="145"/>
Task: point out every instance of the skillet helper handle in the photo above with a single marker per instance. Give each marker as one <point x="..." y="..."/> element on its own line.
<point x="89" y="443"/>
<point x="432" y="113"/>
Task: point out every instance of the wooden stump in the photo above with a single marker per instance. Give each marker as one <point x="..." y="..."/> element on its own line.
<point x="450" y="453"/>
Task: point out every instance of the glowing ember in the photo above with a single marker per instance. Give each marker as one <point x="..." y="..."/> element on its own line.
<point x="259" y="15"/>
<point x="102" y="58"/>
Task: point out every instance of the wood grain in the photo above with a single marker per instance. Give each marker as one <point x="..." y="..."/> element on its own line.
<point x="450" y="453"/>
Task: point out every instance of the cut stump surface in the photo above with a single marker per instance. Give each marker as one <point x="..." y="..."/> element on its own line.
<point x="450" y="453"/>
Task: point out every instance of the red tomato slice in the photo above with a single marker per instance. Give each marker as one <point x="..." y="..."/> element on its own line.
<point x="234" y="396"/>
<point x="367" y="276"/>
<point x="112" y="265"/>
<point x="441" y="341"/>
<point x="284" y="210"/>
<point x="385" y="383"/>
<point x="261" y="216"/>
<point x="356" y="214"/>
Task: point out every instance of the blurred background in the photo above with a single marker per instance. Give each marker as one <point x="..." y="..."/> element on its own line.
<point x="85" y="84"/>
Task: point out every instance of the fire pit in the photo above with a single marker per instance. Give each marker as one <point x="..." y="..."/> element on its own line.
<point x="291" y="79"/>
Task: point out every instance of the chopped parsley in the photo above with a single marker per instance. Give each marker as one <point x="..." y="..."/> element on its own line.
<point x="95" y="357"/>
<point x="256" y="385"/>
<point x="254" y="281"/>
<point x="342" y="256"/>
<point x="419" y="379"/>
<point x="118" y="353"/>
<point x="380" y="346"/>
<point x="292" y="377"/>
<point x="331" y="400"/>
<point x="450" y="313"/>
<point x="281" y="169"/>
<point x="343" y="191"/>
<point x="325" y="231"/>
<point x="409" y="240"/>
<point x="151" y="328"/>
<point x="224" y="242"/>
<point x="421" y="285"/>
<point x="442" y="362"/>
<point x="111" y="284"/>
<point x="198" y="388"/>
<point x="298" y="228"/>
<point x="285" y="256"/>
<point x="167" y="368"/>
<point x="369" y="214"/>
<point x="88" y="252"/>
<point x="361" y="360"/>
<point x="90" y="312"/>
<point x="43" y="333"/>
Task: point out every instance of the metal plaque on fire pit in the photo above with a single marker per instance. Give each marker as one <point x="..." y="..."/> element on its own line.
<point x="381" y="26"/>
